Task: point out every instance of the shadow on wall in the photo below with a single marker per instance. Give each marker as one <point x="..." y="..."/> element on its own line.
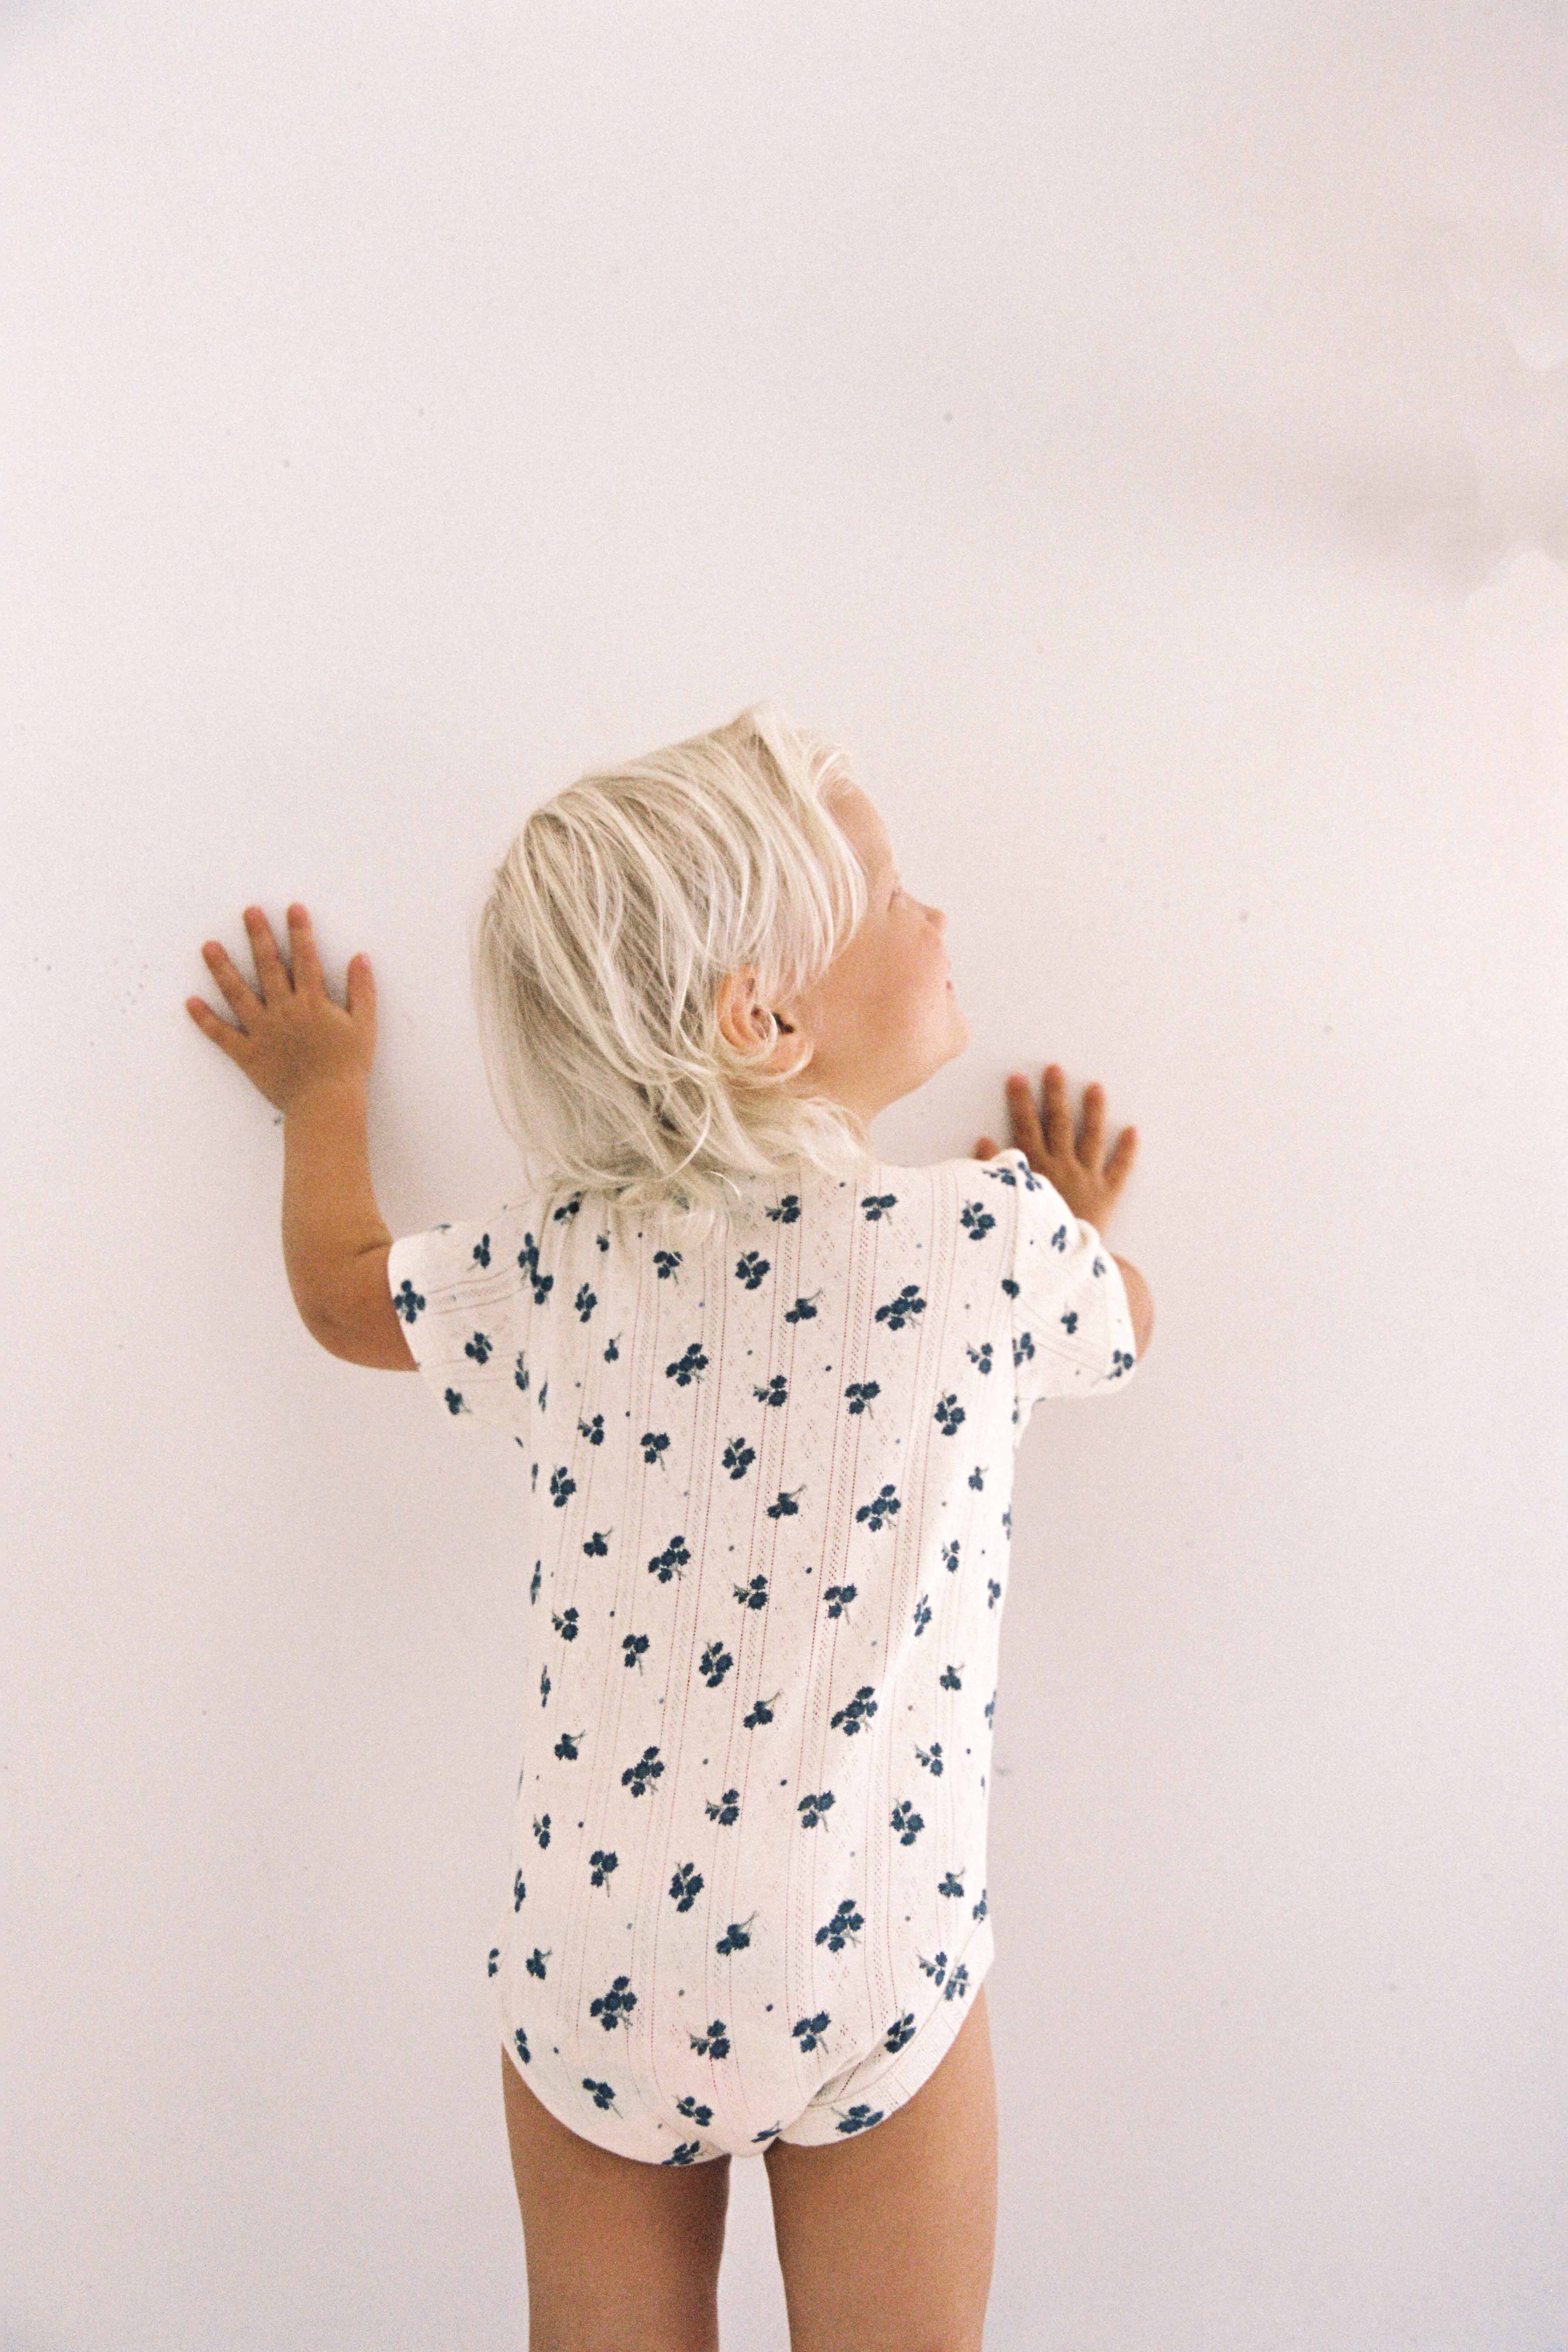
<point x="1480" y="471"/>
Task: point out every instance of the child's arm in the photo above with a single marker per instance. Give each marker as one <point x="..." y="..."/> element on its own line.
<point x="335" y="1242"/>
<point x="311" y="1057"/>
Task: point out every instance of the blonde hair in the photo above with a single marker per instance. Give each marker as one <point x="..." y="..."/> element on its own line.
<point x="611" y="920"/>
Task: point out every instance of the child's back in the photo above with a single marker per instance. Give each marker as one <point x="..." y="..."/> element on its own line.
<point x="771" y="1482"/>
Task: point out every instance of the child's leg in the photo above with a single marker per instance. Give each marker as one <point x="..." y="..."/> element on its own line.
<point x="887" y="2240"/>
<point x="618" y="2252"/>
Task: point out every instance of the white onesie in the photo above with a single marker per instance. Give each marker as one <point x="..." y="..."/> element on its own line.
<point x="769" y="1504"/>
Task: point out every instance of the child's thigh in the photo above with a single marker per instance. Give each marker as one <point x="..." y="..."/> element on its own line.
<point x="887" y="2242"/>
<point x="618" y="2252"/>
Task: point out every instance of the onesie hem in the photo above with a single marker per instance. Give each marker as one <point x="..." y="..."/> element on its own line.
<point x="866" y="2085"/>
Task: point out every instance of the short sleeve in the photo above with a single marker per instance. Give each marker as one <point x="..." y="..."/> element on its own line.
<point x="1072" y="1327"/>
<point x="466" y="1296"/>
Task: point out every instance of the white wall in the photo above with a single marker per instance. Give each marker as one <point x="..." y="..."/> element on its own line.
<point x="1142" y="435"/>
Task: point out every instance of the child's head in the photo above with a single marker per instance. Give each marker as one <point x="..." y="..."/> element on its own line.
<point x="695" y="968"/>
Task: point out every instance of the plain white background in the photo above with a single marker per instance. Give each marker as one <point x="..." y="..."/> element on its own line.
<point x="1141" y="435"/>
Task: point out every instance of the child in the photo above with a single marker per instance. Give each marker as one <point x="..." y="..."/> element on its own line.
<point x="769" y="1391"/>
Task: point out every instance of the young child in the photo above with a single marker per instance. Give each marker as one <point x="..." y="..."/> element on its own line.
<point x="769" y="1391"/>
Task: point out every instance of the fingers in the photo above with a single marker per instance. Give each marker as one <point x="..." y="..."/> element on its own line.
<point x="1091" y="1139"/>
<point x="269" y="968"/>
<point x="1026" y="1118"/>
<point x="1059" y="1118"/>
<point x="1056" y="1141"/>
<point x="241" y="997"/>
<point x="307" y="962"/>
<point x="273" y="976"/>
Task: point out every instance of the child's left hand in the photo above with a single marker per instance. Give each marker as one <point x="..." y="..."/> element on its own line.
<point x="293" y="1036"/>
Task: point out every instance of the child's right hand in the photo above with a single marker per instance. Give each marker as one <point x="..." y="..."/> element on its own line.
<point x="1090" y="1190"/>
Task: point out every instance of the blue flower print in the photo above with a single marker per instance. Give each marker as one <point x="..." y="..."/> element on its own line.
<point x="859" y="2117"/>
<point x="812" y="1809"/>
<point x="671" y="1561"/>
<point x="843" y="1928"/>
<point x="614" y="2007"/>
<point x="686" y="1885"/>
<point x="876" y="1203"/>
<point x="858" y="1714"/>
<point x="688" y="1367"/>
<point x="528" y="1259"/>
<point x="750" y="1268"/>
<point x="976" y="1219"/>
<point x="408" y="1300"/>
<point x="881" y="1506"/>
<point x="716" y="1662"/>
<point x="903" y="1308"/>
<point x="647" y="1769"/>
